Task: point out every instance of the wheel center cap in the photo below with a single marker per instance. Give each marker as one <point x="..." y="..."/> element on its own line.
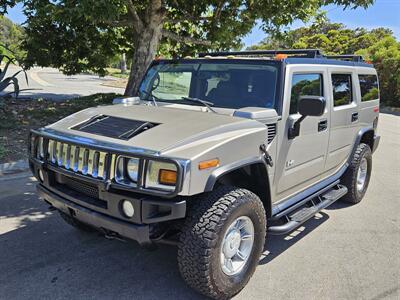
<point x="232" y="244"/>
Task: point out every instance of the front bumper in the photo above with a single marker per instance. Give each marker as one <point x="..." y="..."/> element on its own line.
<point x="103" y="209"/>
<point x="139" y="233"/>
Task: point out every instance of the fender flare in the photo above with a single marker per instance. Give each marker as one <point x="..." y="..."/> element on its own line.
<point x="226" y="169"/>
<point x="357" y="141"/>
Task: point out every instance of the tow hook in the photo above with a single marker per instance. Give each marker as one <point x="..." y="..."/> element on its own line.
<point x="267" y="157"/>
<point x="110" y="235"/>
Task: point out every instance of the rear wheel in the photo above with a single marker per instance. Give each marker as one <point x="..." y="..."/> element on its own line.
<point x="221" y="241"/>
<point x="358" y="174"/>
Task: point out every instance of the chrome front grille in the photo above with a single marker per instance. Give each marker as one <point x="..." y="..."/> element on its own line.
<point x="77" y="159"/>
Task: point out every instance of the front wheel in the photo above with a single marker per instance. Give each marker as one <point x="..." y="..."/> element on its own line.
<point x="221" y="241"/>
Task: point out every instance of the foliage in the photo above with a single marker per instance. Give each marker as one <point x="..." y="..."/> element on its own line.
<point x="377" y="45"/>
<point x="84" y="35"/>
<point x="10" y="80"/>
<point x="385" y="54"/>
<point x="18" y="117"/>
<point x="11" y="36"/>
<point x="2" y="150"/>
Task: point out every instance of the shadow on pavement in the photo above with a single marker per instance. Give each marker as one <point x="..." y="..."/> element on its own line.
<point x="339" y="205"/>
<point x="49" y="96"/>
<point x="275" y="245"/>
<point x="42" y="257"/>
<point x="389" y="112"/>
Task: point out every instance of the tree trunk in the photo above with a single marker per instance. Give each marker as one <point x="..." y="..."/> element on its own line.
<point x="145" y="50"/>
<point x="123" y="63"/>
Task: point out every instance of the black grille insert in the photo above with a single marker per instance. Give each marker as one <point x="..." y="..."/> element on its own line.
<point x="83" y="191"/>
<point x="114" y="127"/>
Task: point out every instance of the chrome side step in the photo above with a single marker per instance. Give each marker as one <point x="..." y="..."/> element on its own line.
<point x="315" y="205"/>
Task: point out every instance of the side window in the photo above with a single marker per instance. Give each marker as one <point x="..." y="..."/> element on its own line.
<point x="342" y="89"/>
<point x="302" y="85"/>
<point x="369" y="87"/>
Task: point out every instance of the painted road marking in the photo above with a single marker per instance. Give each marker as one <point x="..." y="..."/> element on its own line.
<point x="35" y="77"/>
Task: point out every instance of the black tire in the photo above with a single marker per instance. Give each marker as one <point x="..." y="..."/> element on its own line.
<point x="201" y="237"/>
<point x="349" y="179"/>
<point x="75" y="223"/>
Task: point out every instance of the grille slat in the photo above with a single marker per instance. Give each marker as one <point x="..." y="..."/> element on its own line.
<point x="77" y="159"/>
<point x="68" y="157"/>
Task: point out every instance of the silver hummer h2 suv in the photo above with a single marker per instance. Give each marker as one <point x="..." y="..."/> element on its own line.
<point x="216" y="152"/>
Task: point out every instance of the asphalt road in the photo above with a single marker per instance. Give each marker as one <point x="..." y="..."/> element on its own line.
<point x="49" y="83"/>
<point x="346" y="252"/>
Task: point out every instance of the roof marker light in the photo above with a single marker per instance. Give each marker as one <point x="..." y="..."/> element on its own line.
<point x="280" y="56"/>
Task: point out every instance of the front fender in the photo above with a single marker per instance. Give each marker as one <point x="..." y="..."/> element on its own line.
<point x="221" y="171"/>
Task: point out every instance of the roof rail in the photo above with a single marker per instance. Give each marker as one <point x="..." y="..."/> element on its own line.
<point x="349" y="57"/>
<point x="311" y="53"/>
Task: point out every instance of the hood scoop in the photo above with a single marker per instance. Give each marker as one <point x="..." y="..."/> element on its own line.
<point x="114" y="127"/>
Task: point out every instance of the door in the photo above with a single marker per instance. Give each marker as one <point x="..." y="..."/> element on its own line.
<point x="301" y="160"/>
<point x="344" y="116"/>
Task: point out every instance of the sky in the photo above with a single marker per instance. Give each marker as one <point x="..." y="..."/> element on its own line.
<point x="384" y="13"/>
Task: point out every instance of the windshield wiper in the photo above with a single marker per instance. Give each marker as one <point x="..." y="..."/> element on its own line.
<point x="150" y="97"/>
<point x="205" y="103"/>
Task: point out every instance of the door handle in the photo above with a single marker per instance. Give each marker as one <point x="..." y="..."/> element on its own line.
<point x="354" y="117"/>
<point x="323" y="125"/>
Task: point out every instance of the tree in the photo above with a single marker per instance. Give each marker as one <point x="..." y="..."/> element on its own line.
<point x="385" y="55"/>
<point x="377" y="45"/>
<point x="83" y="35"/>
<point x="11" y="36"/>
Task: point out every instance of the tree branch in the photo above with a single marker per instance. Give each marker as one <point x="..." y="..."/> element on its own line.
<point x="137" y="22"/>
<point x="184" y="39"/>
<point x="117" y="23"/>
<point x="217" y="12"/>
<point x="189" y="18"/>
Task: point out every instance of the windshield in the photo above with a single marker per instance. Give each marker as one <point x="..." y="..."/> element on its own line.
<point x="230" y="84"/>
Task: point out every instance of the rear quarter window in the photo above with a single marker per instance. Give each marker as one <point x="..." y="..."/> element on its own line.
<point x="369" y="87"/>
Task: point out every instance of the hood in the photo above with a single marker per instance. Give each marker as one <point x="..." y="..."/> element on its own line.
<point x="171" y="128"/>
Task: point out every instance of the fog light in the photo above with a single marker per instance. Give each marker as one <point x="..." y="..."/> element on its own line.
<point x="128" y="209"/>
<point x="41" y="175"/>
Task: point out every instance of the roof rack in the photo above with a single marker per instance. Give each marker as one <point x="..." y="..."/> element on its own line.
<point x="310" y="53"/>
<point x="349" y="57"/>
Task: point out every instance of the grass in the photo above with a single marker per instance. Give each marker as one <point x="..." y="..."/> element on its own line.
<point x="18" y="116"/>
<point x="117" y="73"/>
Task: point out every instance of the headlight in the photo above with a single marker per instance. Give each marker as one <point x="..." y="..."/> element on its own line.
<point x="144" y="173"/>
<point x="127" y="170"/>
<point x="161" y="175"/>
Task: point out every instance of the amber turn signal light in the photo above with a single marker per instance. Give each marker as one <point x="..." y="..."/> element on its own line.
<point x="209" y="164"/>
<point x="167" y="177"/>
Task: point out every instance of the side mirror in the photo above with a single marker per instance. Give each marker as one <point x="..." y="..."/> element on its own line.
<point x="313" y="106"/>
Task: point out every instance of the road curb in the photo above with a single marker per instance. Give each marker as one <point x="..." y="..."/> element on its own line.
<point x="14" y="167"/>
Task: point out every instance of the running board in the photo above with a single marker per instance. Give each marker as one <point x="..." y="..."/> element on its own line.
<point x="305" y="213"/>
